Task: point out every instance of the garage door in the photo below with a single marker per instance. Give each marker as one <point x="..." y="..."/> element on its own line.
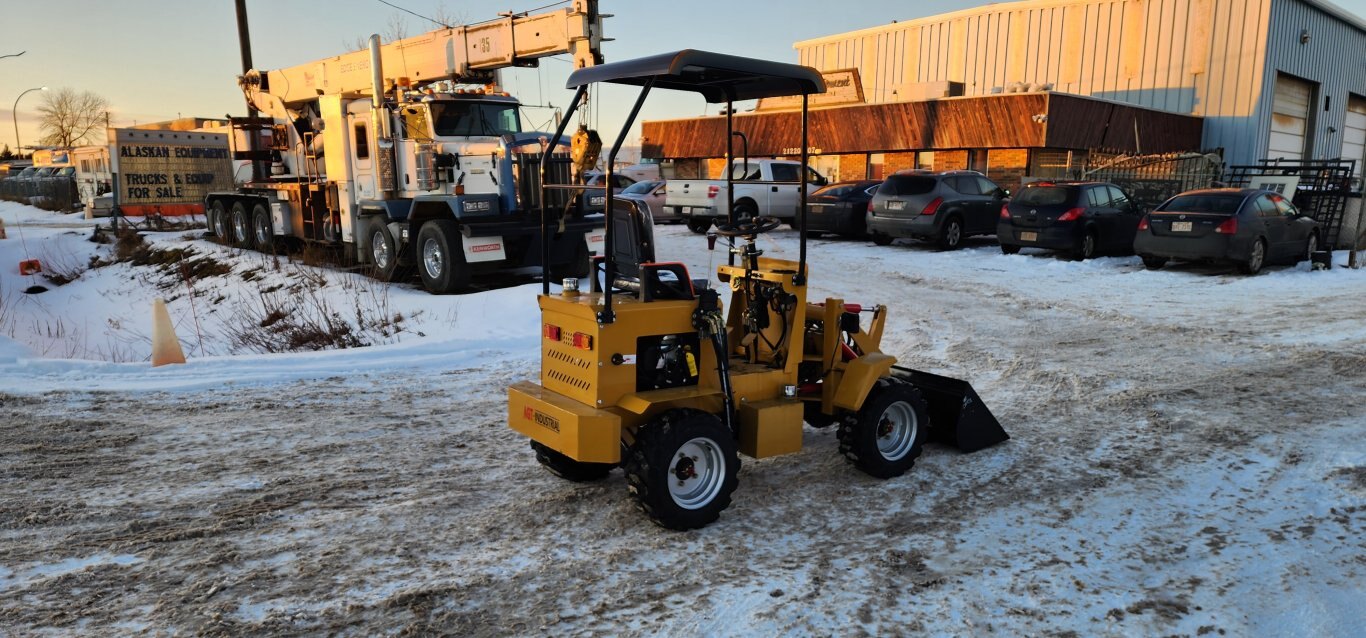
<point x="1289" y="118"/>
<point x="1354" y="133"/>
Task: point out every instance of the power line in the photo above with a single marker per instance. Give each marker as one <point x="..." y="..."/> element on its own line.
<point x="410" y="12"/>
<point x="414" y="13"/>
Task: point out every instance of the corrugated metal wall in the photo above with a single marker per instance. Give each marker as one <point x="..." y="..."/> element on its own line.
<point x="1198" y="57"/>
<point x="1334" y="59"/>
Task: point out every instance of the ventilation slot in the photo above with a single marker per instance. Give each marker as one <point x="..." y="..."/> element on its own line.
<point x="565" y="357"/>
<point x="556" y="375"/>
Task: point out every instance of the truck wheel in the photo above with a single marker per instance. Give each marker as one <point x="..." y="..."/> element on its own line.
<point x="218" y="220"/>
<point x="384" y="253"/>
<point x="886" y="437"/>
<point x="699" y="225"/>
<point x="951" y="236"/>
<point x="745" y="210"/>
<point x="567" y="468"/>
<point x="682" y="469"/>
<point x="239" y="226"/>
<point x="263" y="229"/>
<point x="441" y="258"/>
<point x="577" y="268"/>
<point x="1154" y="263"/>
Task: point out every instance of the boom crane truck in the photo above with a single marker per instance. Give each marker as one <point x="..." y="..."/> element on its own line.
<point x="407" y="155"/>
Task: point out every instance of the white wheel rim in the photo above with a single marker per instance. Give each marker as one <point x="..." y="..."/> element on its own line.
<point x="1089" y="245"/>
<point x="432" y="258"/>
<point x="896" y="431"/>
<point x="696" y="473"/>
<point x="954" y="233"/>
<point x="262" y="233"/>
<point x="1255" y="263"/>
<point x="239" y="228"/>
<point x="1313" y="247"/>
<point x="380" y="250"/>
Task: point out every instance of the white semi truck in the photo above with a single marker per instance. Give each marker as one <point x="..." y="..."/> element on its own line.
<point x="407" y="156"/>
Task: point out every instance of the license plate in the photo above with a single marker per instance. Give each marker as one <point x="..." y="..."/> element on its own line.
<point x="597" y="201"/>
<point x="1029" y="236"/>
<point x="1181" y="227"/>
<point x="896" y="205"/>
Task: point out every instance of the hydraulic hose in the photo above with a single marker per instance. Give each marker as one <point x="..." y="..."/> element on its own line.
<point x="712" y="327"/>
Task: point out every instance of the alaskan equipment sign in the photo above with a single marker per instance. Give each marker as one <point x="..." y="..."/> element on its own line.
<point x="168" y="173"/>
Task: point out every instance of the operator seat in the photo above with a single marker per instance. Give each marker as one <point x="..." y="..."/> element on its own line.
<point x="633" y="248"/>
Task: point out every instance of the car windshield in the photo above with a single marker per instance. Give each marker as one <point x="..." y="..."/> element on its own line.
<point x="1217" y="204"/>
<point x="836" y="190"/>
<point x="1044" y="195"/>
<point x="457" y="119"/>
<point x="901" y="185"/>
<point x="640" y="188"/>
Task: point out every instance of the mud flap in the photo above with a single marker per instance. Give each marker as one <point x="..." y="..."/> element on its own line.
<point x="957" y="415"/>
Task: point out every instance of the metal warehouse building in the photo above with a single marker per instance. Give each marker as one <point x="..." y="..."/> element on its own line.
<point x="1024" y="88"/>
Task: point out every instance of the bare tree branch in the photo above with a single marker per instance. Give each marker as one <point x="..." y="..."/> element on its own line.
<point x="69" y="117"/>
<point x="395" y="29"/>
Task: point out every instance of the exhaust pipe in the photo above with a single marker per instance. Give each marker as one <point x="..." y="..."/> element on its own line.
<point x="386" y="177"/>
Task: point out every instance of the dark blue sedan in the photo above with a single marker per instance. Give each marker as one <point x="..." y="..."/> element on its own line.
<point x="1248" y="228"/>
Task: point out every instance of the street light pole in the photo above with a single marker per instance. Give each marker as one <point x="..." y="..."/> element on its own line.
<point x="15" y="112"/>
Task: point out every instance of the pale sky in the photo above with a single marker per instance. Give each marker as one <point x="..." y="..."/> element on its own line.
<point x="159" y="59"/>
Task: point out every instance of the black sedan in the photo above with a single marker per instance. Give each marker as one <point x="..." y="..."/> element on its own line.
<point x="1083" y="219"/>
<point x="1248" y="228"/>
<point x="840" y="208"/>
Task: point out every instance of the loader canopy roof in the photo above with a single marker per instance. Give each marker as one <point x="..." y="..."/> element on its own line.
<point x="718" y="77"/>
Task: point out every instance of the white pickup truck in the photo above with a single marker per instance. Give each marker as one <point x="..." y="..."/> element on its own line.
<point x="762" y="187"/>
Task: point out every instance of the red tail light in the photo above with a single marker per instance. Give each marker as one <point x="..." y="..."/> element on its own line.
<point x="1072" y="215"/>
<point x="1143" y="223"/>
<point x="932" y="206"/>
<point x="713" y="190"/>
<point x="583" y="341"/>
<point x="870" y="205"/>
<point x="1005" y="211"/>
<point x="1229" y="227"/>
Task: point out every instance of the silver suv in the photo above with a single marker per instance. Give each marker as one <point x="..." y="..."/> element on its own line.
<point x="942" y="207"/>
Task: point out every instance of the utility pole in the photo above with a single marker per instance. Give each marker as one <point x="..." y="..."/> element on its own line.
<point x="244" y="43"/>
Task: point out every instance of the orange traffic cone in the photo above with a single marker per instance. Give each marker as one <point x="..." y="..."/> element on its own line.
<point x="165" y="345"/>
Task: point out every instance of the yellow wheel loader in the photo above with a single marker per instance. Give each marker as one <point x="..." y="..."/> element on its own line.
<point x="650" y="372"/>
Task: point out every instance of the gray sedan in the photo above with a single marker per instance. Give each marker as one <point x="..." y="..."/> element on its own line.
<point x="1248" y="228"/>
<point x="651" y="193"/>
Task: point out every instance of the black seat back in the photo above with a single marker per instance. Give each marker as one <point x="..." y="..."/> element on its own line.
<point x="633" y="237"/>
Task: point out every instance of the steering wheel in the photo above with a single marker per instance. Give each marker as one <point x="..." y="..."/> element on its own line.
<point x="748" y="226"/>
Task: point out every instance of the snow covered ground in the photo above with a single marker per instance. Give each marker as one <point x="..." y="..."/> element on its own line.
<point x="1186" y="459"/>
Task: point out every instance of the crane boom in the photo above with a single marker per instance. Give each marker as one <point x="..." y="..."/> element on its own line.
<point x="467" y="53"/>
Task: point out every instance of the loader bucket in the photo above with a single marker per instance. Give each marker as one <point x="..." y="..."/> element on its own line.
<point x="957" y="415"/>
